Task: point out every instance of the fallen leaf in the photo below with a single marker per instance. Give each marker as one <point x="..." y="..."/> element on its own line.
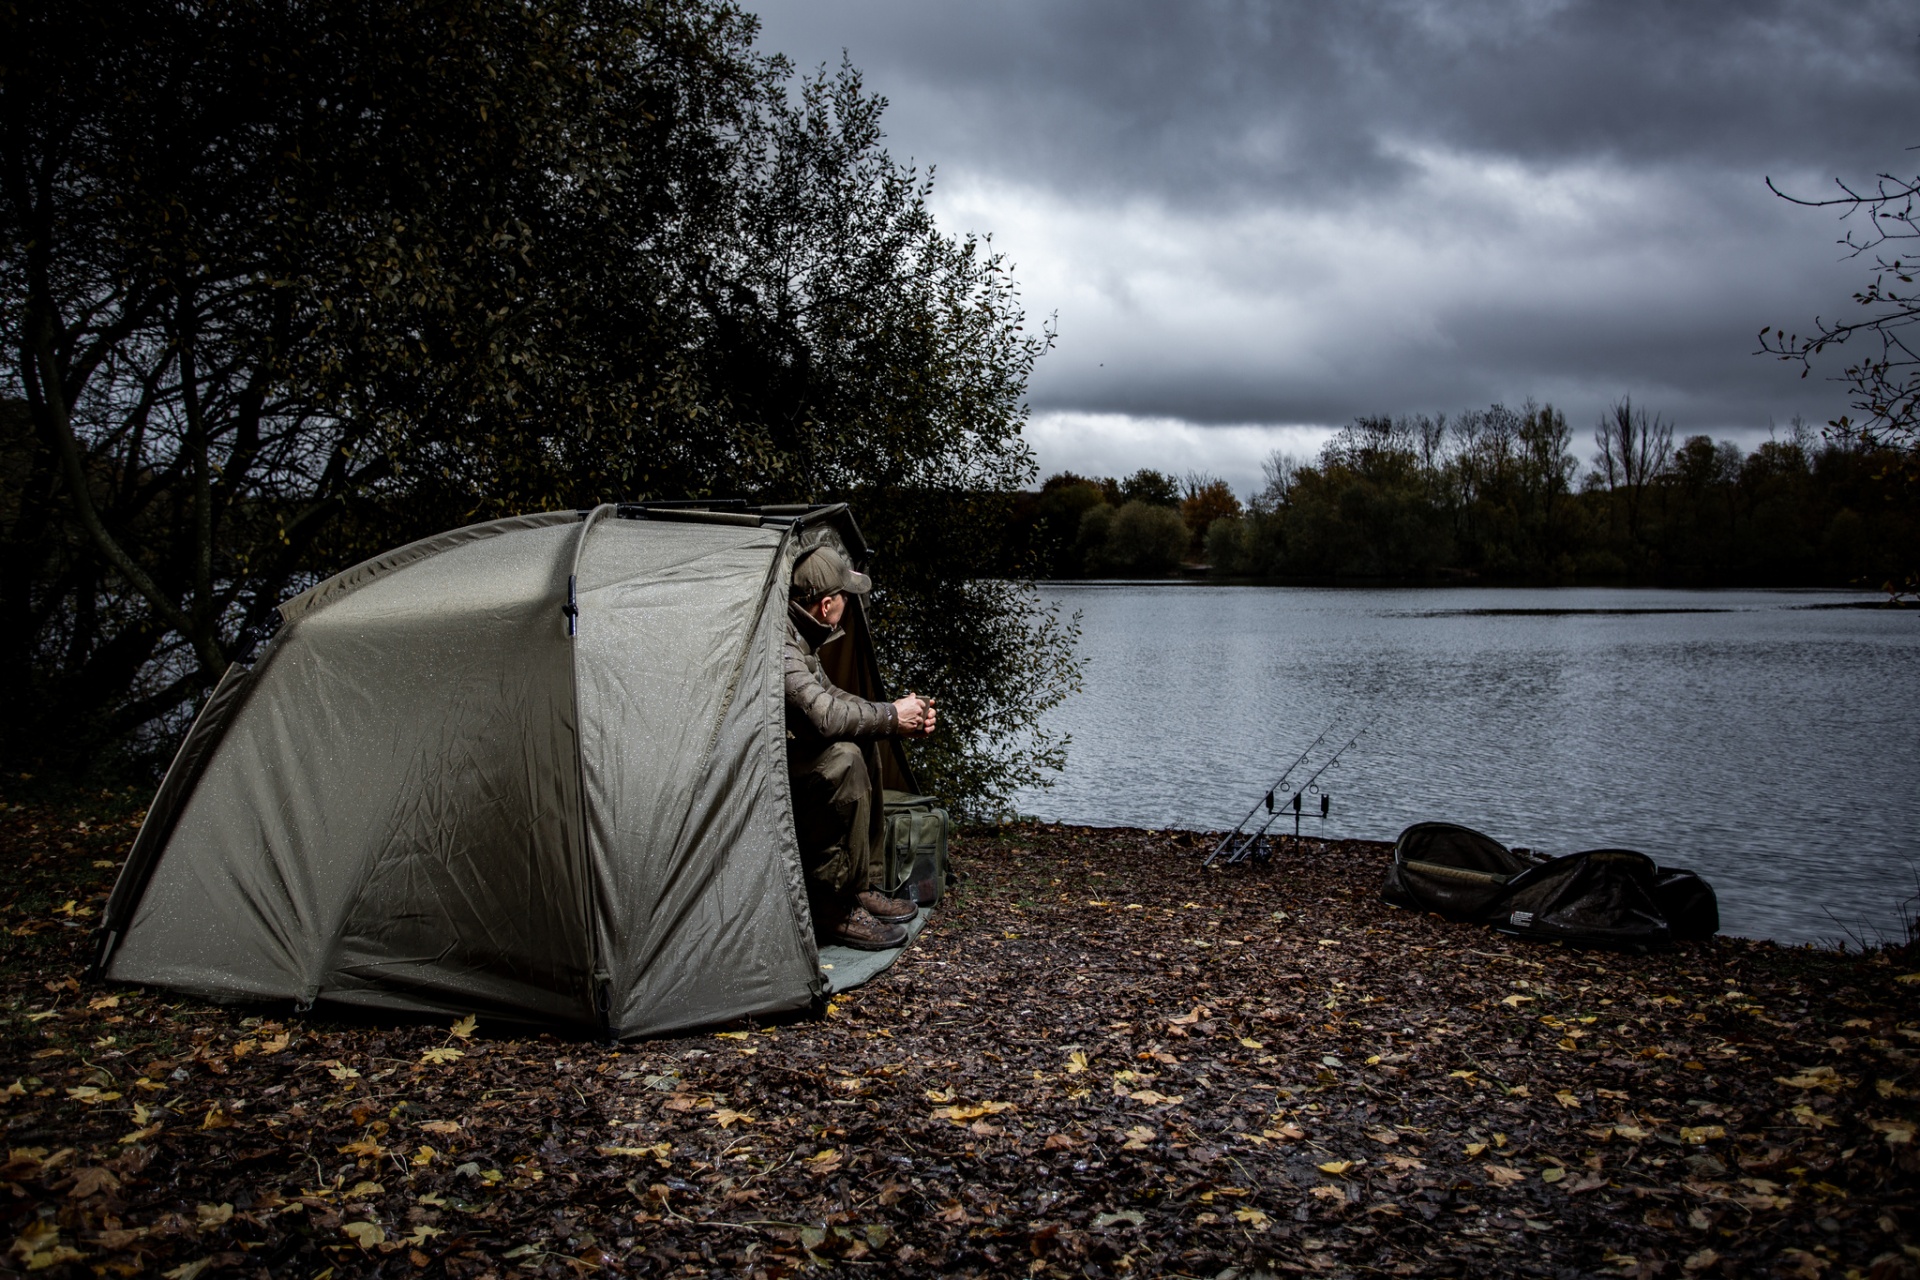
<point x="1154" y="1098"/>
<point x="1076" y="1063"/>
<point x="1137" y="1138"/>
<point x="1566" y="1099"/>
<point x="822" y="1163"/>
<point x="727" y="1117"/>
<point x="441" y="1128"/>
<point x="1504" y="1175"/>
<point x="440" y="1056"/>
<point x="1338" y="1168"/>
<point x="1252" y="1218"/>
<point x="1701" y="1261"/>
<point x="1552" y="1173"/>
<point x="1695" y="1135"/>
<point x="464" y="1028"/>
<point x="1058" y="1142"/>
<point x="1129" y="1216"/>
<point x="93" y="1182"/>
<point x="208" y="1216"/>
<point x="188" y="1270"/>
<point x="1898" y="1133"/>
<point x="365" y="1234"/>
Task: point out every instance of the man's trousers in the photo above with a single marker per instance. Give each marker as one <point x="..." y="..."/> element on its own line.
<point x="833" y="816"/>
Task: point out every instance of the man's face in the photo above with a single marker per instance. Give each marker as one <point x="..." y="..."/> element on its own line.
<point x="830" y="609"/>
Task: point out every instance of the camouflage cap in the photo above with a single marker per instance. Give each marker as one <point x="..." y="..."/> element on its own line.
<point x="821" y="571"/>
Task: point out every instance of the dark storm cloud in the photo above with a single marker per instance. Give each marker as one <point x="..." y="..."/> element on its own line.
<point x="1196" y="101"/>
<point x="1265" y="213"/>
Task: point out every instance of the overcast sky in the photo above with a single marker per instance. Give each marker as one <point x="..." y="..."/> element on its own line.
<point x="1256" y="221"/>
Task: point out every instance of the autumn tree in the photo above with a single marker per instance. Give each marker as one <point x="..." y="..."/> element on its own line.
<point x="284" y="286"/>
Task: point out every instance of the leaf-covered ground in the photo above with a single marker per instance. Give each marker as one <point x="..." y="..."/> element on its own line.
<point x="1099" y="1060"/>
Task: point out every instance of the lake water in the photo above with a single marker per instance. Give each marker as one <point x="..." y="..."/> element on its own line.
<point x="1769" y="744"/>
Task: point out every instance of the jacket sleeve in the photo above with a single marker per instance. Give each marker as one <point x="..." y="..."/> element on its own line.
<point x="835" y="714"/>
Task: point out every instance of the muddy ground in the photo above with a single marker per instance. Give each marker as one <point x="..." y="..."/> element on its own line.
<point x="1100" y="1060"/>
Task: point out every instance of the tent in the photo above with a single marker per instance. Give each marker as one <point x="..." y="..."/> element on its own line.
<point x="1597" y="897"/>
<point x="533" y="769"/>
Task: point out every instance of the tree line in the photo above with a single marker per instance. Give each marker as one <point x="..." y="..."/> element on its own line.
<point x="282" y="287"/>
<point x="1498" y="494"/>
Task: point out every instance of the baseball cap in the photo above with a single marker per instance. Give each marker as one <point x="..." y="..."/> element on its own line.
<point x="821" y="571"/>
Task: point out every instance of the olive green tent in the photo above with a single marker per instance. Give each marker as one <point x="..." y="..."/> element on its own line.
<point x="534" y="769"/>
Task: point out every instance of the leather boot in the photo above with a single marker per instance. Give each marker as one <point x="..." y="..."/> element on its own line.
<point x="888" y="909"/>
<point x="859" y="929"/>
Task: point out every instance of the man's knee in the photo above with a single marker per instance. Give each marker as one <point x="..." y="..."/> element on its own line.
<point x="844" y="770"/>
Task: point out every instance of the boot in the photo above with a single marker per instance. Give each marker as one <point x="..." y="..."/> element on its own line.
<point x="860" y="930"/>
<point x="888" y="909"/>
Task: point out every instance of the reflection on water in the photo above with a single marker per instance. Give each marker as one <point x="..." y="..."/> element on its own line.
<point x="1769" y="745"/>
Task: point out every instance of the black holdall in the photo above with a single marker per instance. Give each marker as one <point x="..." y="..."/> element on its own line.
<point x="917" y="829"/>
<point x="1598" y="897"/>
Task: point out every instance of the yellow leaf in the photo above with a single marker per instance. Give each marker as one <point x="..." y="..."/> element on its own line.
<point x="1514" y="1002"/>
<point x="441" y="1128"/>
<point x="275" y="1044"/>
<point x="1463" y="1075"/>
<point x="1137" y="1138"/>
<point x="209" y="1216"/>
<point x="187" y="1270"/>
<point x="1552" y="1173"/>
<point x="1154" y="1098"/>
<point x="1475" y="1148"/>
<point x="1252" y="1218"/>
<point x="1338" y="1168"/>
<point x="464" y="1028"/>
<point x="1076" y="1063"/>
<point x="727" y="1117"/>
<point x="104" y="1002"/>
<point x="1898" y="1133"/>
<point x="1908" y="978"/>
<point x="339" y="1072"/>
<point x="421" y="1234"/>
<point x="364" y="1147"/>
<point x="1250" y="1044"/>
<point x="729" y="1035"/>
<point x="1566" y="1099"/>
<point x="365" y="1234"/>
<point x="939" y="1095"/>
<point x="141" y="1134"/>
<point x="216" y="1118"/>
<point x="424" y="1156"/>
<point x="440" y="1057"/>
<point x="1694" y="1135"/>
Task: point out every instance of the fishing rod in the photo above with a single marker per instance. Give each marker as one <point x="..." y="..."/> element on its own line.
<point x="1240" y="853"/>
<point x="1268" y="798"/>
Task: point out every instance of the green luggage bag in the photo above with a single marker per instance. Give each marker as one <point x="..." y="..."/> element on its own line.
<point x="917" y="831"/>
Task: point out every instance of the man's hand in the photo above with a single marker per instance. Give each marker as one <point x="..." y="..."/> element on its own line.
<point x="916" y="715"/>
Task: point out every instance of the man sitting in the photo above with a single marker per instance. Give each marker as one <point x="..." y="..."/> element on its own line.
<point x="832" y="787"/>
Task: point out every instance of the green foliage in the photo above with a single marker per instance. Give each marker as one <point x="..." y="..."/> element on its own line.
<point x="1149" y="486"/>
<point x="1491" y="494"/>
<point x="287" y="287"/>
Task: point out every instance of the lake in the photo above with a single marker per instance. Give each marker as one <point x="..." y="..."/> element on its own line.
<point x="1765" y="741"/>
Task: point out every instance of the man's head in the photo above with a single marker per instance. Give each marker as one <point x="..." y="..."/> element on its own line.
<point x="822" y="581"/>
